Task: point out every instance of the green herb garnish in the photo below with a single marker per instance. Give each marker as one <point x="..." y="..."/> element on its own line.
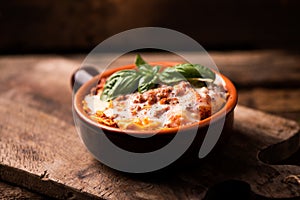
<point x="149" y="74"/>
<point x="121" y="82"/>
<point x="147" y="77"/>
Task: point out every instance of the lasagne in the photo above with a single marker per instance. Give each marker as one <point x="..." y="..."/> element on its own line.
<point x="166" y="106"/>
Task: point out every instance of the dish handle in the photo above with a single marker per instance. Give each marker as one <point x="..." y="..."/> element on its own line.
<point x="81" y="76"/>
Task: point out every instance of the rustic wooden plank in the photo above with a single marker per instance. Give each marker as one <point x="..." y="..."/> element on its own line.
<point x="21" y="78"/>
<point x="283" y="102"/>
<point x="8" y="191"/>
<point x="41" y="151"/>
<point x="261" y="68"/>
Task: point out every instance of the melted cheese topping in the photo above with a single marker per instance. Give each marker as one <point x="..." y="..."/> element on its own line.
<point x="162" y="107"/>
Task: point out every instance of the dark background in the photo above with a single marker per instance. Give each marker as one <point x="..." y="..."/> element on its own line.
<point x="71" y="26"/>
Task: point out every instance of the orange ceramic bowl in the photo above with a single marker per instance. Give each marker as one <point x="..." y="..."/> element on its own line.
<point x="90" y="131"/>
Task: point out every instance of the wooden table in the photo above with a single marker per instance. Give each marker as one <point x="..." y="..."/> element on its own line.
<point x="35" y="105"/>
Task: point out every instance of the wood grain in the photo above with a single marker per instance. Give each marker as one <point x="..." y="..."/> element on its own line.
<point x="276" y="101"/>
<point x="12" y="192"/>
<point x="40" y="149"/>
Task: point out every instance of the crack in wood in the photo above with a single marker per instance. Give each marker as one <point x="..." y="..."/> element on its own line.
<point x="44" y="176"/>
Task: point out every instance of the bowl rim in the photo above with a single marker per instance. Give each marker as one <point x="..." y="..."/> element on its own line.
<point x="82" y="92"/>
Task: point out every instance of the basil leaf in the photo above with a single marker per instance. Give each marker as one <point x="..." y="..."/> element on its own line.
<point x="148" y="74"/>
<point x="197" y="83"/>
<point x="154" y="70"/>
<point x="145" y="69"/>
<point x="139" y="60"/>
<point x="119" y="83"/>
<point x="187" y="71"/>
<point x="143" y="66"/>
<point x="205" y="72"/>
<point x="146" y="83"/>
<point x="148" y="80"/>
<point x="170" y="76"/>
<point x="194" y="71"/>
